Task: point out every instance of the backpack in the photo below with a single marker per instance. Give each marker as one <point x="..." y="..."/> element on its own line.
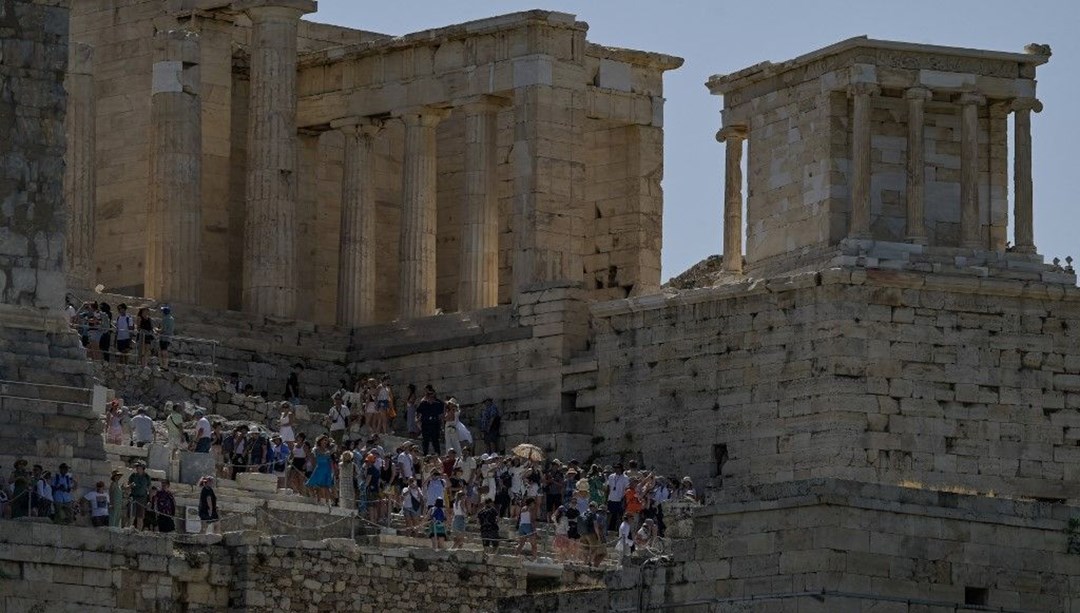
<point x="585" y="522"/>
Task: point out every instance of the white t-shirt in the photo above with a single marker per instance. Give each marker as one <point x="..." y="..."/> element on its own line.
<point x="338" y="415"/>
<point x="143" y="427"/>
<point x="624" y="534"/>
<point x="405" y="462"/>
<point x="435" y="490"/>
<point x="124" y="326"/>
<point x="99" y="503"/>
<point x="467" y="466"/>
<point x="617" y="485"/>
<point x="202" y="428"/>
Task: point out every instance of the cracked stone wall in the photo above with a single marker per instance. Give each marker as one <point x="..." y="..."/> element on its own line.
<point x="32" y="103"/>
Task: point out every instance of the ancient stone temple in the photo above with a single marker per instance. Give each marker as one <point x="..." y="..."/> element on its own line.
<point x="878" y="398"/>
<point x="253" y="161"/>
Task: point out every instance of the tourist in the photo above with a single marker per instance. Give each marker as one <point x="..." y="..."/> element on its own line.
<point x="202" y="432"/>
<point x="437" y="519"/>
<point x="490" y="425"/>
<point x="150" y="522"/>
<point x="338" y="418"/>
<point x="434" y="488"/>
<point x="294" y="478"/>
<point x="615" y="488"/>
<point x="116" y="500"/>
<point x="208" y="509"/>
<point x="166" y="334"/>
<point x="138" y="489"/>
<point x="553" y="487"/>
<point x="488" y="517"/>
<point x="233" y="384"/>
<point x="292" y="384"/>
<point x="450" y="423"/>
<point x="259" y="455"/>
<point x="372" y="478"/>
<point x="285" y="422"/>
<point x="561" y="543"/>
<point x="412" y="505"/>
<point x="279" y="458"/>
<point x="146" y="336"/>
<point x="165" y="508"/>
<point x="526" y="530"/>
<point x="687" y="491"/>
<point x="142" y="428"/>
<point x="322" y="478"/>
<point x="125" y="327"/>
<point x="625" y="545"/>
<point x="347" y="481"/>
<point x="458" y="522"/>
<point x="114" y="428"/>
<point x="63" y="484"/>
<point x="592" y="535"/>
<point x="429" y="416"/>
<point x="411" y="423"/>
<point x="94" y="329"/>
<point x="104" y="318"/>
<point x="21" y="484"/>
<point x="633" y="504"/>
<point x="174" y="426"/>
<point x="384" y="406"/>
<point x="217" y="440"/>
<point x="43" y="494"/>
<point x="97" y="503"/>
<point x="645" y="537"/>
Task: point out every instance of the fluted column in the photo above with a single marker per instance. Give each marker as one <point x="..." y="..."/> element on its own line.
<point x="356" y="266"/>
<point x="733" y="137"/>
<point x="916" y="171"/>
<point x="418" y="213"/>
<point x="270" y="278"/>
<point x="1023" y="222"/>
<point x="969" y="170"/>
<point x="478" y="286"/>
<point x="80" y="180"/>
<point x="173" y="268"/>
<point x="860" y="158"/>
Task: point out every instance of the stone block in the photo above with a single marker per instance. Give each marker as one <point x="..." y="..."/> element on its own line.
<point x="194" y="466"/>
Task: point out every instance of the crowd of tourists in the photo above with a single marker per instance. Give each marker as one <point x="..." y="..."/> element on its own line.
<point x="32" y="491"/>
<point x="107" y="336"/>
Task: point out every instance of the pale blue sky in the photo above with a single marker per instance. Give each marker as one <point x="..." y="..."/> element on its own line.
<point x="719" y="36"/>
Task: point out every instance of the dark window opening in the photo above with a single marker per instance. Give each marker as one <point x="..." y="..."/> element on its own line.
<point x="720" y="457"/>
<point x="979" y="596"/>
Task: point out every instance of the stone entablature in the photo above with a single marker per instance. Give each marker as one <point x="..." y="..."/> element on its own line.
<point x="870" y="139"/>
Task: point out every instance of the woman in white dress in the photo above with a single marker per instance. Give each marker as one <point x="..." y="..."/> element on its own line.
<point x="285" y="423"/>
<point x="450" y="421"/>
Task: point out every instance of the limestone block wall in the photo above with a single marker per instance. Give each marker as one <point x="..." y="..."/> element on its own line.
<point x="833" y="545"/>
<point x="883" y="377"/>
<point x="79" y="569"/>
<point x="32" y="212"/>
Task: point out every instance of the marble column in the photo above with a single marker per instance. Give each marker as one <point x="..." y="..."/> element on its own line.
<point x="270" y="277"/>
<point x="173" y="267"/>
<point x="861" y="94"/>
<point x="1023" y="226"/>
<point x="478" y="287"/>
<point x="916" y="164"/>
<point x="733" y="137"/>
<point x="418" y="213"/>
<point x="970" y="235"/>
<point x="80" y="179"/>
<point x="356" y="262"/>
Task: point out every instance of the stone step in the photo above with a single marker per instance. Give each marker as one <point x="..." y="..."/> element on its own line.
<point x="24" y="389"/>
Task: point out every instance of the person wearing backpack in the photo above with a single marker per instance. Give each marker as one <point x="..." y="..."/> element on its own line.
<point x="63" y="484"/>
<point x="591" y="538"/>
<point x="125" y="325"/>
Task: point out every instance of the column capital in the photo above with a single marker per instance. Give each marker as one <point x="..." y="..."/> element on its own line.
<point x="425" y="116"/>
<point x="864" y="89"/>
<point x="363" y="126"/>
<point x="1026" y="104"/>
<point x="253" y="7"/>
<point x="970" y="98"/>
<point x="733" y="133"/>
<point x="480" y="104"/>
<point x="918" y="93"/>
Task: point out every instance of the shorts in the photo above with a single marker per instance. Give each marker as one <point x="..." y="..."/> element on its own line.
<point x="163" y="345"/>
<point x="459" y="523"/>
<point x="526" y="530"/>
<point x="147" y="339"/>
<point x="383" y="405"/>
<point x="410" y="512"/>
<point x="298" y="463"/>
<point x="437" y="530"/>
<point x="99" y="521"/>
<point x="123" y="345"/>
